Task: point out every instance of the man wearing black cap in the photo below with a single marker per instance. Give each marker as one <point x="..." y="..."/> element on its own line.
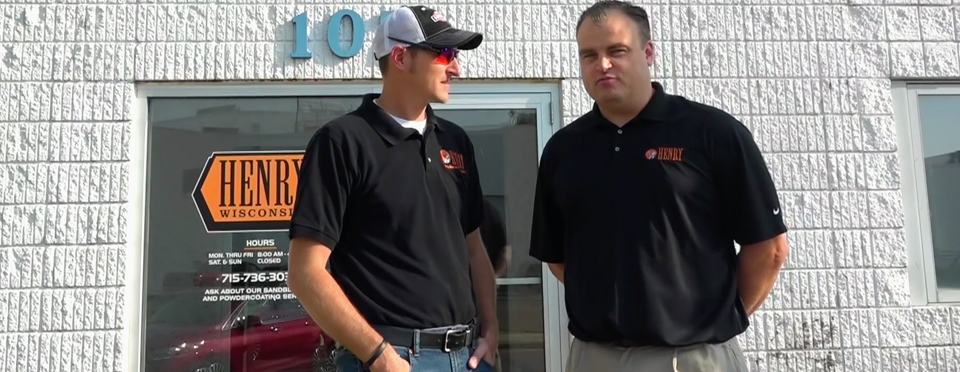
<point x="637" y="208"/>
<point x="390" y="194"/>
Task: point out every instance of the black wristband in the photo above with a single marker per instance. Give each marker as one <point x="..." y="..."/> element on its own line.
<point x="376" y="354"/>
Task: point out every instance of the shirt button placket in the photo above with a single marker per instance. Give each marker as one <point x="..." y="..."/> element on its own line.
<point x="616" y="148"/>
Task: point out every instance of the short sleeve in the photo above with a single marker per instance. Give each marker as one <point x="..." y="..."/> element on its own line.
<point x="747" y="191"/>
<point x="473" y="198"/>
<point x="546" y="231"/>
<point x="322" y="192"/>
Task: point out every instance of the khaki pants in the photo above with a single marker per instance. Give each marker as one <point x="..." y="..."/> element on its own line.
<point x="590" y="357"/>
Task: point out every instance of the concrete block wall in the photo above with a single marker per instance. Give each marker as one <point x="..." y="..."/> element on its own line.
<point x="811" y="78"/>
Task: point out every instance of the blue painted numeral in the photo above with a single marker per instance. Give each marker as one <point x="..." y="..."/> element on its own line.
<point x="300" y="49"/>
<point x="333" y="33"/>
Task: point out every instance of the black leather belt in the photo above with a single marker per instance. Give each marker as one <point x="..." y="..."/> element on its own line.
<point x="448" y="340"/>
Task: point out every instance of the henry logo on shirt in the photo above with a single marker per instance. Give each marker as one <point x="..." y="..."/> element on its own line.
<point x="665" y="154"/>
<point x="452" y="160"/>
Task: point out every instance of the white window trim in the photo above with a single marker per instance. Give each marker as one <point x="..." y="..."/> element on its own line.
<point x="545" y="96"/>
<point x="920" y="260"/>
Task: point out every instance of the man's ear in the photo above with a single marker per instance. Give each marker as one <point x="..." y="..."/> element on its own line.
<point x="650" y="53"/>
<point x="398" y="57"/>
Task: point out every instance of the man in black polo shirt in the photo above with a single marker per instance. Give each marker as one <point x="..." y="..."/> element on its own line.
<point x="390" y="195"/>
<point x="638" y="205"/>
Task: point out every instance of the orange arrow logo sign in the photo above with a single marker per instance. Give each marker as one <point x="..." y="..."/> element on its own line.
<point x="248" y="191"/>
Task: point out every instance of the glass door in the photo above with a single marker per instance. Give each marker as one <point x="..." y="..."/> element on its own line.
<point x="215" y="294"/>
<point x="507" y="134"/>
<point x="207" y="269"/>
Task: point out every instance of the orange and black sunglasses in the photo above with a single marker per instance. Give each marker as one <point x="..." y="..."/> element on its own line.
<point x="445" y="56"/>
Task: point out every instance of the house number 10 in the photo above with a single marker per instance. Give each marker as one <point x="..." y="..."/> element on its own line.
<point x="302" y="51"/>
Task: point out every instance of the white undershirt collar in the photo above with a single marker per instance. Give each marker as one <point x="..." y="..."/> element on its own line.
<point x="417" y="125"/>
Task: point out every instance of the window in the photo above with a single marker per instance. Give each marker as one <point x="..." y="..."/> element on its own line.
<point x="929" y="134"/>
<point x="214" y="294"/>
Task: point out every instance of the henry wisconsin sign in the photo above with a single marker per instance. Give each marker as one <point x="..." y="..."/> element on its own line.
<point x="248" y="191"/>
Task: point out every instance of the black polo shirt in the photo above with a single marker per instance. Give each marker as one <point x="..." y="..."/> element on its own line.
<point x="395" y="207"/>
<point x="644" y="218"/>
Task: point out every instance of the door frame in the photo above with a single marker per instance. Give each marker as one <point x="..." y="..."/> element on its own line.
<point x="544" y="96"/>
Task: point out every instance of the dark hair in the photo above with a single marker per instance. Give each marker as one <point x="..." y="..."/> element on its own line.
<point x="601" y="9"/>
<point x="494" y="234"/>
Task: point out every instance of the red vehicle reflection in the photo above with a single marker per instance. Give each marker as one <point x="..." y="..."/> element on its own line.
<point x="184" y="333"/>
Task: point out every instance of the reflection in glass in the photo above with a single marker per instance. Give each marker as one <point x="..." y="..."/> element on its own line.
<point x="505" y="143"/>
<point x="940" y="133"/>
<point x="520" y="312"/>
<point x="218" y="301"/>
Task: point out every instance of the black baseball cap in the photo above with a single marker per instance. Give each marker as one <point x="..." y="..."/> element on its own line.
<point x="421" y="25"/>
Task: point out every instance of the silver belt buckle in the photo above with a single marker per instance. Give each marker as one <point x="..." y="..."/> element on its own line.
<point x="446" y="340"/>
<point x="446" y="337"/>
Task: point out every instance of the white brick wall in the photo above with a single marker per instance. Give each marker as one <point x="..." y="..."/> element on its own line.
<point x="812" y="82"/>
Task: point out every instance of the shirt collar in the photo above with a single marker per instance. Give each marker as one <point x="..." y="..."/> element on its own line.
<point x="389" y="129"/>
<point x="655" y="111"/>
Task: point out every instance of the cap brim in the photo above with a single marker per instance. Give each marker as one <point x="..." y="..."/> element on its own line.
<point x="454" y="38"/>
